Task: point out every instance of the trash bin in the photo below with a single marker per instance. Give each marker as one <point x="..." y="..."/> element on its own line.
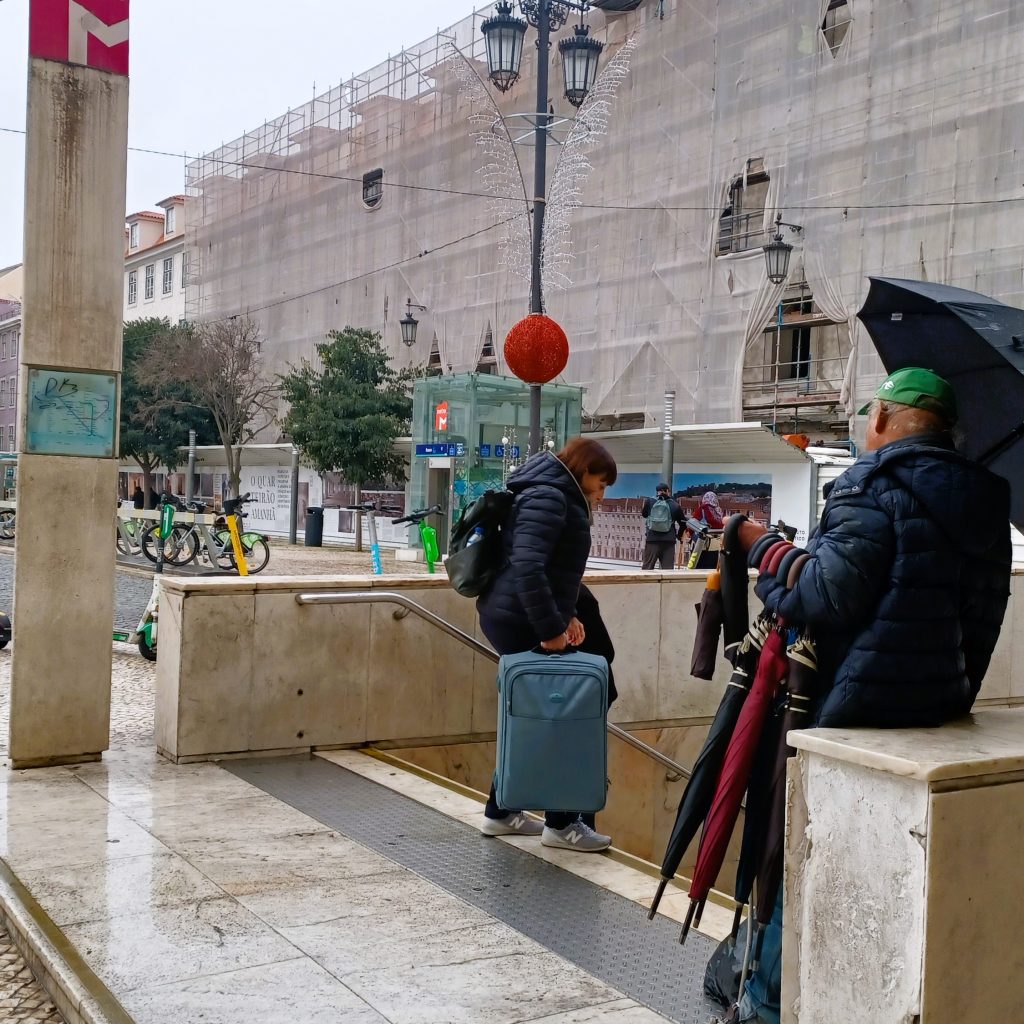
<point x="314" y="527"/>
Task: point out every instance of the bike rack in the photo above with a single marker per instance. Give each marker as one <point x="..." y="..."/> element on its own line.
<point x="408" y="605"/>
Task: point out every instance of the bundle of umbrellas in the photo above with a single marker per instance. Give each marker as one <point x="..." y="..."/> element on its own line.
<point x="771" y="690"/>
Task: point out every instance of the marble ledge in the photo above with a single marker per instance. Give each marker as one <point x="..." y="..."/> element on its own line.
<point x="985" y="743"/>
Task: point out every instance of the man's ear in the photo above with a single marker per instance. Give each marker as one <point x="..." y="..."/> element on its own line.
<point x="882" y="416"/>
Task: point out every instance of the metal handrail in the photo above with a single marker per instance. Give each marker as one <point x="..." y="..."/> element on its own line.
<point x="391" y="597"/>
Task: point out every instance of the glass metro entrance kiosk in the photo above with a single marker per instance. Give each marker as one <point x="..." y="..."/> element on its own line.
<point x="470" y="430"/>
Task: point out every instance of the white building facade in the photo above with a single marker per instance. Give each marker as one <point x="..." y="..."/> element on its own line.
<point x="889" y="133"/>
<point x="155" y="262"/>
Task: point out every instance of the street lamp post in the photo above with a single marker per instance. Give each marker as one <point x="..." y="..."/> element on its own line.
<point x="504" y="35"/>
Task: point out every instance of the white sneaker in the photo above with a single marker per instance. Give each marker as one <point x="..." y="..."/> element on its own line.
<point x="576" y="836"/>
<point x="515" y="824"/>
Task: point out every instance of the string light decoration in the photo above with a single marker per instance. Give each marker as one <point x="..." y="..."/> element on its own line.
<point x="574" y="168"/>
<point x="500" y="173"/>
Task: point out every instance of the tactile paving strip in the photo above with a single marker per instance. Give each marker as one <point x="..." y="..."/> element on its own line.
<point x="605" y="934"/>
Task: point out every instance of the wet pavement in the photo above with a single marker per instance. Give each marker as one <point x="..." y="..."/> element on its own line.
<point x="22" y="1001"/>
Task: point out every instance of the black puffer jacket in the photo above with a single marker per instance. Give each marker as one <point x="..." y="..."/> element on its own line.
<point x="547" y="542"/>
<point x="907" y="586"/>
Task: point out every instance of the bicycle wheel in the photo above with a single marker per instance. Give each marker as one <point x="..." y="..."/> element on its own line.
<point x="257" y="552"/>
<point x="7" y="524"/>
<point x="150" y="542"/>
<point x="148" y="652"/>
<point x="225" y="553"/>
<point x="185" y="545"/>
<point x="120" y="544"/>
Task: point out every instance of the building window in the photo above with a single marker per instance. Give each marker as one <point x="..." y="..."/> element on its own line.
<point x="3" y="393"/>
<point x="487" y="362"/>
<point x="12" y="387"/>
<point x="169" y="221"/>
<point x="836" y="24"/>
<point x="741" y="223"/>
<point x="793" y="376"/>
<point x="14" y="344"/>
<point x="184" y="268"/>
<point x="3" y="347"/>
<point x="168" y="275"/>
<point x="133" y="287"/>
<point x="150" y="280"/>
<point x="133" y="236"/>
<point x="373" y="188"/>
<point x="10" y="437"/>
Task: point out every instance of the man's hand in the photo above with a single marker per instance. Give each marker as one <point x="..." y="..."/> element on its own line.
<point x="748" y="534"/>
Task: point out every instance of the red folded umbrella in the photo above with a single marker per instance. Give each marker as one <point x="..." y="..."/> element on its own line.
<point x="735" y="774"/>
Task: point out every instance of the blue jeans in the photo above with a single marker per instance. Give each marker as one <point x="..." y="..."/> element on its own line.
<point x="760" y="999"/>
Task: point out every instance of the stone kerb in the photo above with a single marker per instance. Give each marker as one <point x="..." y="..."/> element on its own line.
<point x="245" y="669"/>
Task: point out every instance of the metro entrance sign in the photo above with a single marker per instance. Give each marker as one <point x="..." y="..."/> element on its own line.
<point x="442" y="450"/>
<point x="93" y="33"/>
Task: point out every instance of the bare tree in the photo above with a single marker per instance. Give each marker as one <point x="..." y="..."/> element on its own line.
<point x="220" y="364"/>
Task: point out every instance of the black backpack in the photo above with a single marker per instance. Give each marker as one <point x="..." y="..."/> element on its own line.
<point x="475" y="551"/>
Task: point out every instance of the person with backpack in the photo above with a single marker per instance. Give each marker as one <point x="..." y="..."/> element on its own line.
<point x="664" y="520"/>
<point x="534" y="597"/>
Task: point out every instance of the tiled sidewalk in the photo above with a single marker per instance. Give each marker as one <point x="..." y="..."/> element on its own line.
<point x="22" y="1001"/>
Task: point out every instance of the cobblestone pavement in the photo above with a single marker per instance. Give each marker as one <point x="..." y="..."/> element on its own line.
<point x="22" y="1001"/>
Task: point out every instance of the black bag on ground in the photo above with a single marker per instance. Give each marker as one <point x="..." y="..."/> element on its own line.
<point x="475" y="551"/>
<point x="722" y="975"/>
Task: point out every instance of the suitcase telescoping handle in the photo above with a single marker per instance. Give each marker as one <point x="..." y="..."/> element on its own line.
<point x="568" y="649"/>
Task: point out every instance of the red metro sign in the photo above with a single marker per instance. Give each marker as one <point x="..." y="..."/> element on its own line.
<point x="441" y="416"/>
<point x="93" y="33"/>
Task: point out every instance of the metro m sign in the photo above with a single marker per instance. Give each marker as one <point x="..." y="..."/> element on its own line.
<point x="441" y="416"/>
<point x="89" y="32"/>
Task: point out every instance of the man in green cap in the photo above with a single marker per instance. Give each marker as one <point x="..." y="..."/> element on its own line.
<point x="903" y="589"/>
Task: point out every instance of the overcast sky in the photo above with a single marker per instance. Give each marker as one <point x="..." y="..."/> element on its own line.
<point x="205" y="71"/>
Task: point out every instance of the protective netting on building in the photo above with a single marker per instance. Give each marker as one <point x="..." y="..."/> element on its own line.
<point x="892" y="136"/>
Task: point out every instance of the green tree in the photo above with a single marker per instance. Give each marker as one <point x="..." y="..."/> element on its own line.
<point x="345" y="414"/>
<point x="152" y="431"/>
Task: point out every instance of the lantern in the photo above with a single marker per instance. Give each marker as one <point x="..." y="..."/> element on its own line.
<point x="503" y="36"/>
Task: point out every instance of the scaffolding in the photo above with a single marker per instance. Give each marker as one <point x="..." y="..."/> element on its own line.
<point x="891" y="134"/>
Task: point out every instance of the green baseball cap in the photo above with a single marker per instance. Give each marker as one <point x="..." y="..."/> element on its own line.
<point x="913" y="385"/>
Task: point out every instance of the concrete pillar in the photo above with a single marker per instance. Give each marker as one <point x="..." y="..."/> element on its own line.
<point x="67" y="474"/>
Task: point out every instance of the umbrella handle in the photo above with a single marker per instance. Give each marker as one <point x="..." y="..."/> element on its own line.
<point x="657" y="898"/>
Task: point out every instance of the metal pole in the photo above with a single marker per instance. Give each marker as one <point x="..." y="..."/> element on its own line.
<point x="293" y="523"/>
<point x="190" y="487"/>
<point x="540" y="168"/>
<point x="667" y="442"/>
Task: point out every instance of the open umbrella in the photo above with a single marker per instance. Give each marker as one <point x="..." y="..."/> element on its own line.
<point x="697" y="797"/>
<point x="725" y="807"/>
<point x="977" y="344"/>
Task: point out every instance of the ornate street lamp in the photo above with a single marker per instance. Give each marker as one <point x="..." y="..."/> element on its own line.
<point x="409" y="323"/>
<point x="580" y="56"/>
<point x="776" y="252"/>
<point x="503" y="37"/>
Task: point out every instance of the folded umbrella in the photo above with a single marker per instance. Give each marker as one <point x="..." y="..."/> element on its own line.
<point x="697" y="797"/>
<point x="725" y="807"/>
<point x="710" y="615"/>
<point x="802" y="687"/>
<point x="977" y="344"/>
<point x="732" y="566"/>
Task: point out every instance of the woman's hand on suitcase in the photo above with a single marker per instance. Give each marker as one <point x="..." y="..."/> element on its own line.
<point x="558" y="643"/>
<point x="575" y="633"/>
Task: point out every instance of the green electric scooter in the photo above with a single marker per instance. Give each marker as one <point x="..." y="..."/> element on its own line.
<point x="428" y="535"/>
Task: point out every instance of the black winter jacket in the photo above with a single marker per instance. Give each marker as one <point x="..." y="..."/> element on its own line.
<point x="907" y="585"/>
<point x="547" y="543"/>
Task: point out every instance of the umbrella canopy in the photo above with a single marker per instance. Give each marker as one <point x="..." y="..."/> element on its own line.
<point x="977" y="344"/>
<point x="710" y="614"/>
<point x="697" y="797"/>
<point x="725" y="807"/>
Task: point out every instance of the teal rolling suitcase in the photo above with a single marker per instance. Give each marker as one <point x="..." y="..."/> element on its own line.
<point x="552" y="732"/>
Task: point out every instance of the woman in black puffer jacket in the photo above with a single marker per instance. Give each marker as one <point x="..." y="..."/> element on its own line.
<point x="536" y="599"/>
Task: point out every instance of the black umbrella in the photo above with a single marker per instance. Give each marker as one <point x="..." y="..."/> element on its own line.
<point x="732" y="566"/>
<point x="977" y="344"/>
<point x="700" y="790"/>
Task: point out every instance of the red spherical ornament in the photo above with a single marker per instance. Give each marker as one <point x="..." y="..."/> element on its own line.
<point x="536" y="349"/>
